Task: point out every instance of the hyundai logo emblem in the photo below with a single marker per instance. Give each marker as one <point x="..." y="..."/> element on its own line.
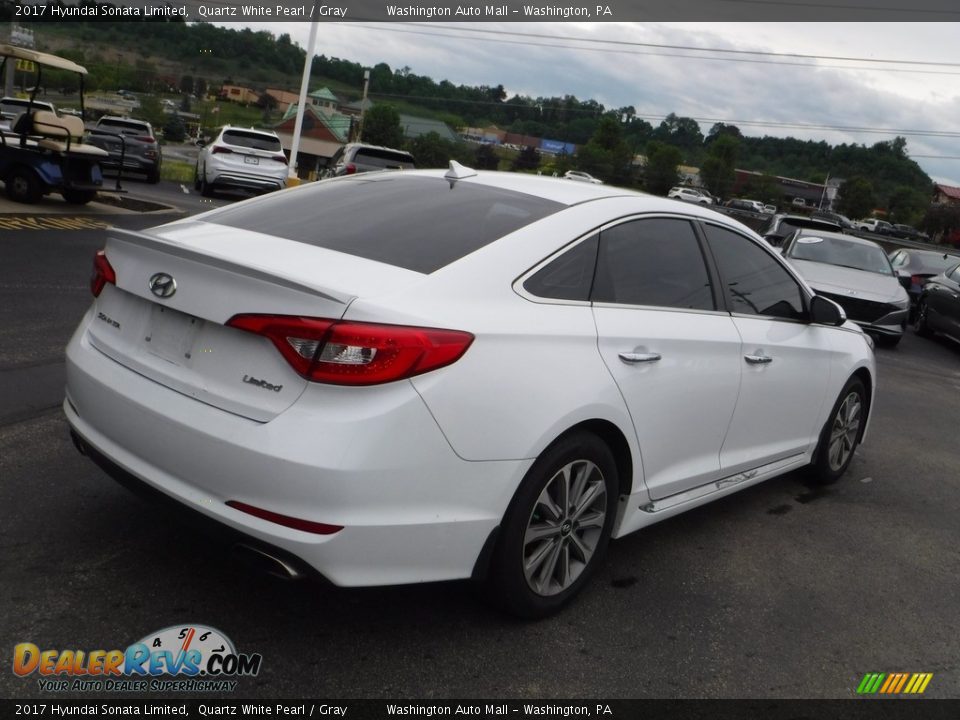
<point x="163" y="285"/>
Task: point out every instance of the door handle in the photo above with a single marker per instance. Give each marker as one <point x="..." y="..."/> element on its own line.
<point x="758" y="359"/>
<point x="632" y="358"/>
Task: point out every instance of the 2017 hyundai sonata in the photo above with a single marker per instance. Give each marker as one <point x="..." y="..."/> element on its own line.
<point x="405" y="377"/>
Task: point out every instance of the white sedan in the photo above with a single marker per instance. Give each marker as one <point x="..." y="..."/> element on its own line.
<point x="408" y="377"/>
<point x="580" y="176"/>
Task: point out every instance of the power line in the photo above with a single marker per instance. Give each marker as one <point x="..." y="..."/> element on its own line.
<point x="625" y="51"/>
<point x="667" y="46"/>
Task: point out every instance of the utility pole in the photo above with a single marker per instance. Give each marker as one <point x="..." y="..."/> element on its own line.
<point x="363" y="103"/>
<point x="293" y="178"/>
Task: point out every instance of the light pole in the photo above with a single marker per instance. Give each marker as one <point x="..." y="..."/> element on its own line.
<point x="363" y="103"/>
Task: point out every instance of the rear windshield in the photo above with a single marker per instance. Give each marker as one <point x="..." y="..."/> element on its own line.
<point x="257" y="141"/>
<point x="125" y="126"/>
<point x="416" y="223"/>
<point x="383" y="158"/>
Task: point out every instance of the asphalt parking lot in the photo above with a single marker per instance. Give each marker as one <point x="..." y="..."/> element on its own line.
<point x="779" y="591"/>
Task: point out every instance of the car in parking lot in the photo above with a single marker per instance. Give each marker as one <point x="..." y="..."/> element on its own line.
<point x="690" y="195"/>
<point x="580" y="176"/>
<point x="781" y="226"/>
<point x="131" y="145"/>
<point x="938" y="308"/>
<point x="457" y="374"/>
<point x="13" y="107"/>
<point x="843" y="221"/>
<point x="748" y="205"/>
<point x="855" y="273"/>
<point x="241" y="159"/>
<point x="915" y="267"/>
<point x="908" y="232"/>
<point x="874" y="225"/>
<point x="355" y="158"/>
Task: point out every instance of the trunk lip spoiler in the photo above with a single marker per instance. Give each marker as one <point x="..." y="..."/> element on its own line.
<point x="158" y="243"/>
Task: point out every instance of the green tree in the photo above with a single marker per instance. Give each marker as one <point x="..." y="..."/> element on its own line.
<point x="485" y="158"/>
<point x="719" y="168"/>
<point x="528" y="159"/>
<point x="381" y="126"/>
<point x="432" y="151"/>
<point x="661" y="171"/>
<point x="907" y="205"/>
<point x="606" y="155"/>
<point x="174" y="129"/>
<point x="856" y="198"/>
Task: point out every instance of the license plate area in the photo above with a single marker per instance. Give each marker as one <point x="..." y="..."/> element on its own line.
<point x="171" y="334"/>
<point x="251" y="160"/>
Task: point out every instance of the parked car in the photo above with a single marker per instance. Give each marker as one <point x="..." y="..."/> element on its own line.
<point x="908" y="232"/>
<point x="241" y="159"/>
<point x="915" y="267"/>
<point x="359" y="158"/>
<point x="13" y="107"/>
<point x="748" y="205"/>
<point x="582" y="177"/>
<point x="781" y="226"/>
<point x="880" y="227"/>
<point x="456" y="373"/>
<point x="770" y="209"/>
<point x="938" y="308"/>
<point x="131" y="145"/>
<point x="690" y="195"/>
<point x="842" y="220"/>
<point x="798" y="202"/>
<point x="855" y="273"/>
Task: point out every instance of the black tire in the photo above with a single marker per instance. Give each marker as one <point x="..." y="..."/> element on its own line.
<point x="153" y="177"/>
<point x="23" y="185"/>
<point x="196" y="179"/>
<point x="921" y="323"/>
<point x="206" y="189"/>
<point x="79" y="197"/>
<point x="841" y="434"/>
<point x="570" y="541"/>
<point x="888" y="341"/>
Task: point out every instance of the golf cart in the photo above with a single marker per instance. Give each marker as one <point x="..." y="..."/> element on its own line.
<point x="42" y="152"/>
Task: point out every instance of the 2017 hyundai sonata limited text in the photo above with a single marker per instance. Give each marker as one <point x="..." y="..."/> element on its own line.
<point x="402" y="377"/>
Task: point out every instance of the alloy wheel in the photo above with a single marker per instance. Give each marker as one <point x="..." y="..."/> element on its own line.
<point x="564" y="528"/>
<point x="844" y="431"/>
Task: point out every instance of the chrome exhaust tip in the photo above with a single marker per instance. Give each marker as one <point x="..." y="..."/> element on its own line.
<point x="270" y="564"/>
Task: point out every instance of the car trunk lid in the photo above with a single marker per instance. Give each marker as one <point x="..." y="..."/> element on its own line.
<point x="202" y="275"/>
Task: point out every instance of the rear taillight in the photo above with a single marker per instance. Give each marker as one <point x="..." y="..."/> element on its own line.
<point x="281" y="158"/>
<point x="350" y="169"/>
<point x="286" y="520"/>
<point x="103" y="273"/>
<point x="145" y="138"/>
<point x="220" y="149"/>
<point x="352" y="353"/>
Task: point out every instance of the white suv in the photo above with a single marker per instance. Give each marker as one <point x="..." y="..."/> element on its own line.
<point x="242" y="159"/>
<point x="690" y="195"/>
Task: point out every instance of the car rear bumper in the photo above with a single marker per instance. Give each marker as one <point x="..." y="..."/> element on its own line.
<point x="373" y="462"/>
<point x="240" y="181"/>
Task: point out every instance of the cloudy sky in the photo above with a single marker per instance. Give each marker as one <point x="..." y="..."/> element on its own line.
<point x="847" y="82"/>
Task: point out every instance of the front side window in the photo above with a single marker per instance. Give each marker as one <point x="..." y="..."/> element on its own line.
<point x="654" y="261"/>
<point x="755" y="283"/>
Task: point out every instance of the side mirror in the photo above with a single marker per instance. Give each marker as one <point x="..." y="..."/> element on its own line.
<point x="824" y="311"/>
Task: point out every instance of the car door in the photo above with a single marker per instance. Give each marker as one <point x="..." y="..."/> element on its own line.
<point x="673" y="354"/>
<point x="943" y="302"/>
<point x="786" y="361"/>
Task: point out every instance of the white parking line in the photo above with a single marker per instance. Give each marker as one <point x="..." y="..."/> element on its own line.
<point x="184" y="188"/>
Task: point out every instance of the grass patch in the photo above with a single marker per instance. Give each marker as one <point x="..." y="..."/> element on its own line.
<point x="177" y="170"/>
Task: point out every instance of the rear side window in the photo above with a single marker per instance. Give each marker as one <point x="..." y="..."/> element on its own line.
<point x="756" y="284"/>
<point x="417" y="223"/>
<point x="655" y="261"/>
<point x="568" y="277"/>
<point x="256" y="141"/>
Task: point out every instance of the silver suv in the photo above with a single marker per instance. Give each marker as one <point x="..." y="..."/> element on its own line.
<point x="242" y="159"/>
<point x="360" y="157"/>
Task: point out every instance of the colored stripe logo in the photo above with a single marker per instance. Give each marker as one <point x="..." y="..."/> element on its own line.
<point x="894" y="683"/>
